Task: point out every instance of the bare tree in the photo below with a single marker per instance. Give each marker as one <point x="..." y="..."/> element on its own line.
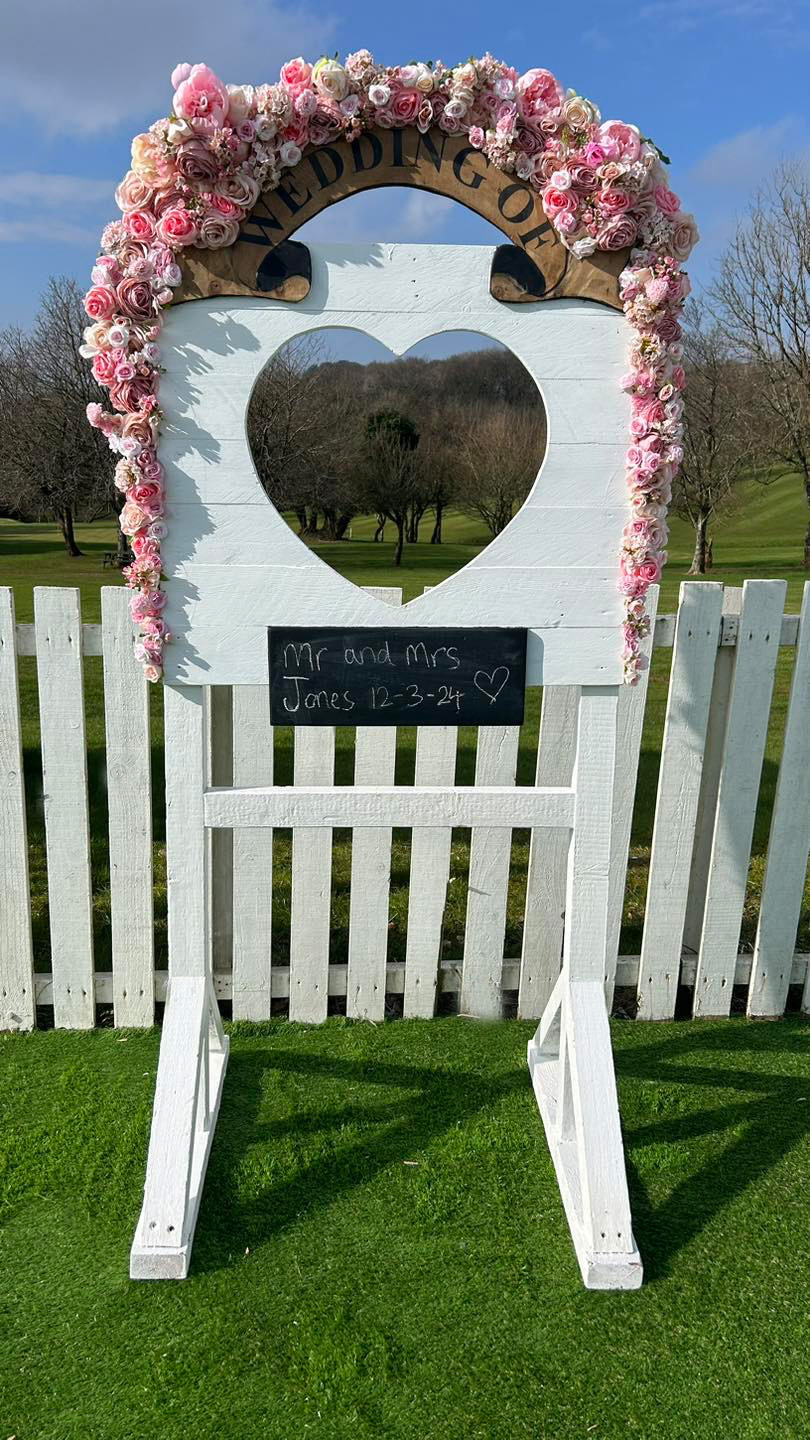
<point x="763" y="303"/>
<point x="51" y="462"/>
<point x="499" y="450"/>
<point x="719" y="431"/>
<point x="392" y="470"/>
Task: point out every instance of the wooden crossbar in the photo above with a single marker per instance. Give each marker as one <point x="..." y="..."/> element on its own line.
<point x="392" y="805"/>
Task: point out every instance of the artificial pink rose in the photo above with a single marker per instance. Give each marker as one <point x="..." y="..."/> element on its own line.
<point x="684" y="236"/>
<point x="613" y="202"/>
<point x="196" y="163"/>
<point x="216" y="230"/>
<point x="529" y="138"/>
<point x="668" y="329"/>
<point x="648" y="412"/>
<point x="201" y="97"/>
<point x="649" y="571"/>
<point x="139" y="426"/>
<point x="135" y="298"/>
<point x="104" y="363"/>
<point x="539" y="91"/>
<point x="477" y="137"/>
<point x="555" y="202"/>
<point x="566" y="222"/>
<point x="617" y="233"/>
<point x="100" y="302"/>
<point x="129" y="394"/>
<point x="667" y="202"/>
<point x="148" y="159"/>
<point x="139" y="224"/>
<point x="133" y="193"/>
<point x="404" y="106"/>
<point x="172" y="198"/>
<point x="657" y="290"/>
<point x="226" y="207"/>
<point x="594" y="155"/>
<point x="296" y="75"/>
<point x="582" y="177"/>
<point x="620" y="141"/>
<point x="131" y="518"/>
<point x="178" y="227"/>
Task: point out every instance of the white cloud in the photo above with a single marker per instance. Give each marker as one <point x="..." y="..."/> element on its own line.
<point x="53" y="232"/>
<point x="80" y="68"/>
<point x="59" y="209"/>
<point x="38" y="188"/>
<point x="745" y="160"/>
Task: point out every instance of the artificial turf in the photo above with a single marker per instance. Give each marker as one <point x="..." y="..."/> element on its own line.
<point x="382" y="1251"/>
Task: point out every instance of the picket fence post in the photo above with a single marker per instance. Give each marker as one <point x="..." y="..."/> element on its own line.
<point x="17" y="997"/>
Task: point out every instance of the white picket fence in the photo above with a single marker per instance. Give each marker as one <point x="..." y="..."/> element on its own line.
<point x="725" y="646"/>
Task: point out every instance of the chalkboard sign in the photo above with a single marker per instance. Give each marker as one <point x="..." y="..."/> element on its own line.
<point x="395" y="676"/>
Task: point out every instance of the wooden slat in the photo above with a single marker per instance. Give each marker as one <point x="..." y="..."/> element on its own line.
<point x="129" y="799"/>
<point x="374" y="761"/>
<point x="630" y="710"/>
<point x="749" y="706"/>
<point x="17" y="1001"/>
<point x="548" y="857"/>
<point x="586" y="899"/>
<point x="490" y="855"/>
<point x="329" y="807"/>
<point x="252" y="860"/>
<point x="67" y="830"/>
<point x="219" y="730"/>
<point x="679" y="779"/>
<point x="710" y="778"/>
<point x="187" y="867"/>
<point x="788" y="846"/>
<point x="314" y="764"/>
<point x="430" y="871"/>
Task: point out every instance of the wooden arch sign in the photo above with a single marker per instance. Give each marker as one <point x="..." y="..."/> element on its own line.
<point x="534" y="266"/>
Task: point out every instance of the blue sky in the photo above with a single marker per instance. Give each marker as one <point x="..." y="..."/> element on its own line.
<point x="720" y="85"/>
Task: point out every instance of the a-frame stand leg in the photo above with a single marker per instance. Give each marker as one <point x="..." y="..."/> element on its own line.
<point x="570" y="1056"/>
<point x="193" y="1046"/>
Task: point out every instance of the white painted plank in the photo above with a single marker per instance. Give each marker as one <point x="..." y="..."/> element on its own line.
<point x="219" y="732"/>
<point x="679" y="780"/>
<point x="630" y="712"/>
<point x="587" y="890"/>
<point x="710" y="779"/>
<point x="490" y="856"/>
<point x="129" y="799"/>
<point x="374" y="762"/>
<point x="314" y="765"/>
<point x="252" y="860"/>
<point x="541" y="955"/>
<point x="67" y="829"/>
<point x="187" y="868"/>
<point x="326" y="807"/>
<point x="746" y="731"/>
<point x="788" y="846"/>
<point x="430" y="871"/>
<point x="17" y="1001"/>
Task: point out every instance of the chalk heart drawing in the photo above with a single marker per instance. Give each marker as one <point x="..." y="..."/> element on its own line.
<point x="389" y="403"/>
<point x="491" y="684"/>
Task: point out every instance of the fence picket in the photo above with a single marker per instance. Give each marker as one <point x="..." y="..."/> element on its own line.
<point x="630" y="710"/>
<point x="490" y="856"/>
<point x="690" y="688"/>
<point x="314" y="764"/>
<point x="788" y="845"/>
<point x="219" y="744"/>
<point x="541" y="951"/>
<point x="129" y="797"/>
<point x="17" y="997"/>
<point x="430" y="871"/>
<point x="57" y="623"/>
<point x="746" y="730"/>
<point x="375" y="754"/>
<point x="252" y="860"/>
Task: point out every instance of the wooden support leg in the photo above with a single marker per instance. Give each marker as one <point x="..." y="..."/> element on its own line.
<point x="570" y="1056"/>
<point x="193" y="1047"/>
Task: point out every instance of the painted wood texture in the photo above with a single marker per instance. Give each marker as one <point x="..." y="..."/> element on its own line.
<point x="187" y="862"/>
<point x="488" y="885"/>
<point x="434" y="161"/>
<point x="679" y="778"/>
<point x="314" y="765"/>
<point x="788" y="846"/>
<point x="129" y="798"/>
<point x="429" y="876"/>
<point x="67" y="826"/>
<point x="17" y="999"/>
<point x="746" y="730"/>
<point x="252" y="860"/>
<point x="325" y="806"/>
<point x="553" y="569"/>
<point x="374" y="761"/>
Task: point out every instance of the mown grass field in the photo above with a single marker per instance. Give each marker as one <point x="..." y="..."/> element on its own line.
<point x="763" y="540"/>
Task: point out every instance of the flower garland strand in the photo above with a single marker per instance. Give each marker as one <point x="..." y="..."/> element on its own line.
<point x="196" y="175"/>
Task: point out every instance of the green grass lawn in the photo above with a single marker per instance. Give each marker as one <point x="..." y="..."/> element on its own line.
<point x="339" y="1292"/>
<point x="762" y="540"/>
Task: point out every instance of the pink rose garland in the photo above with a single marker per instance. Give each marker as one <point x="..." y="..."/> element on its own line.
<point x="195" y="175"/>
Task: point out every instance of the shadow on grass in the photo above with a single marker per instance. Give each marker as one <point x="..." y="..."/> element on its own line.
<point x="764" y="1127"/>
<point x="396" y="1130"/>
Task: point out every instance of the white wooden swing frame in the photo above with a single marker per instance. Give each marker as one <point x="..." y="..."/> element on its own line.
<point x="553" y="570"/>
